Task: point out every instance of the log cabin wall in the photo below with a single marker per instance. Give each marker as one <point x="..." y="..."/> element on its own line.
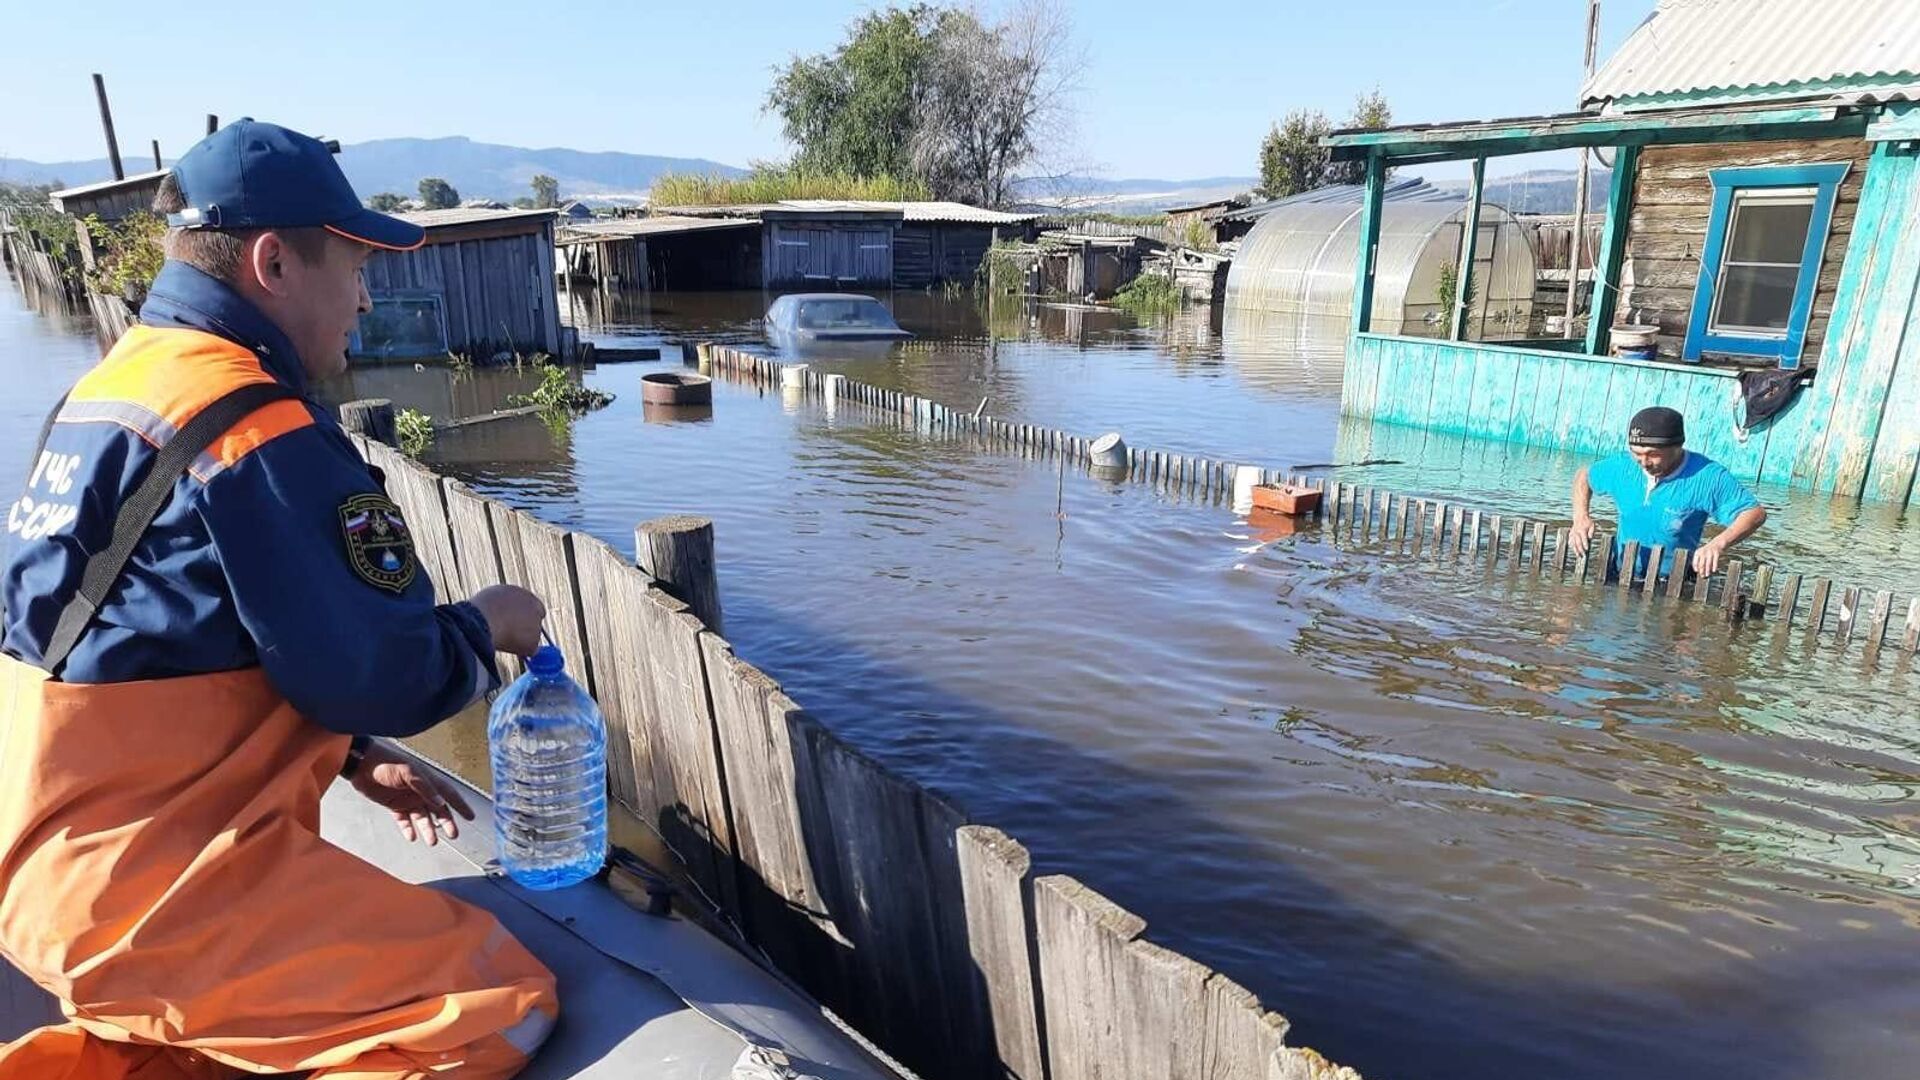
<point x="1672" y="204"/>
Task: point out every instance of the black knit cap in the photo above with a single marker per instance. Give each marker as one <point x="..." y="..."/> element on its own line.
<point x="1657" y="426"/>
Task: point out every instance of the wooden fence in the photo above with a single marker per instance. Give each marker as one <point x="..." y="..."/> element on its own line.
<point x="1831" y="613"/>
<point x="928" y="933"/>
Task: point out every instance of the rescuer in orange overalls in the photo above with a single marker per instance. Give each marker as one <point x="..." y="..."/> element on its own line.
<point x="210" y="607"/>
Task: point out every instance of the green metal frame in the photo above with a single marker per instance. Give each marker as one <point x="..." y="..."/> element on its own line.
<point x="1501" y="138"/>
<point x="1613" y="251"/>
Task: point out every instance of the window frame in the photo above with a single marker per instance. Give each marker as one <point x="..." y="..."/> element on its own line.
<point x="357" y="344"/>
<point x="1785" y="347"/>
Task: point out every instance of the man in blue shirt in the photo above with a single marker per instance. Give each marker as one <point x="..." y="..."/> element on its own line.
<point x="1666" y="493"/>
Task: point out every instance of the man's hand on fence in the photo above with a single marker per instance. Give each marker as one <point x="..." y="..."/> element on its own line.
<point x="1706" y="560"/>
<point x="1582" y="534"/>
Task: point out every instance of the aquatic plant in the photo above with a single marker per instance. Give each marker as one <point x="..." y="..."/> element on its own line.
<point x="415" y="430"/>
<point x="559" y="394"/>
<point x="1150" y="294"/>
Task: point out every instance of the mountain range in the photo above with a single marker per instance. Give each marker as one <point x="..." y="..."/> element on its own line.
<point x="475" y="169"/>
<point x="493" y="171"/>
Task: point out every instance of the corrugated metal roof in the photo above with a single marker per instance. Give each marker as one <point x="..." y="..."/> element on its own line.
<point x="1743" y="50"/>
<point x="468" y="215"/>
<point x="655" y="225"/>
<point x="134" y="181"/>
<point x="909" y="211"/>
<point x="1406" y="189"/>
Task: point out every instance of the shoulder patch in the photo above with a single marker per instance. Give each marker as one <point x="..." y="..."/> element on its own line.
<point x="379" y="545"/>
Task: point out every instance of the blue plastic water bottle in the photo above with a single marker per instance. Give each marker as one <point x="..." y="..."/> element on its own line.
<point x="549" y="750"/>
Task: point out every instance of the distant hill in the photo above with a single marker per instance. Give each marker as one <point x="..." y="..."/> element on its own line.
<point x="486" y="170"/>
<point x="1542" y="191"/>
<point x="67" y="173"/>
<point x="477" y="170"/>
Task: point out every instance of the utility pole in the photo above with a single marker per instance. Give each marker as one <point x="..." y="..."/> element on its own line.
<point x="1579" y="240"/>
<point x="106" y="123"/>
<point x="156" y="156"/>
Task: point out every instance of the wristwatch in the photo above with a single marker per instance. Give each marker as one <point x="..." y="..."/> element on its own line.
<point x="356" y="751"/>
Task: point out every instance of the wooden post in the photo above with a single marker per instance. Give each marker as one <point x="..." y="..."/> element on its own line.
<point x="1370" y="204"/>
<point x="1877" y="621"/>
<point x="106" y="125"/>
<point x="156" y="156"/>
<point x="1910" y="640"/>
<point x="1613" y="253"/>
<point x="677" y="552"/>
<point x="1762" y="587"/>
<point x="1629" y="565"/>
<point x="1677" y="577"/>
<point x="1789" y="598"/>
<point x="1730" y="591"/>
<point x="1469" y="234"/>
<point x="1817" y="604"/>
<point x="1849" y="614"/>
<point x="372" y="418"/>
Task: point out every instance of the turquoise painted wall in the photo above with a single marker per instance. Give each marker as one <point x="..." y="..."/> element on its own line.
<point x="1553" y="399"/>
<point x="1867" y="440"/>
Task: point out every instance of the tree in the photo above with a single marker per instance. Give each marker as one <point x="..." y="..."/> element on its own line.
<point x="546" y="192"/>
<point x="931" y="93"/>
<point x="851" y="110"/>
<point x="1291" y="157"/>
<point x="386" y="202"/>
<point x="991" y="96"/>
<point x="1370" y="113"/>
<point x="437" y="194"/>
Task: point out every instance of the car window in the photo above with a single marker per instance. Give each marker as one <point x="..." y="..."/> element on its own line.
<point x="843" y="314"/>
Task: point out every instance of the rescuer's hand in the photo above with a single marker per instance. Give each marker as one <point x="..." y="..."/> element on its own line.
<point x="422" y="807"/>
<point x="513" y="615"/>
<point x="1582" y="535"/>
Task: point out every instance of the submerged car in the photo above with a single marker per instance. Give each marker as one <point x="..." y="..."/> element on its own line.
<point x="817" y="319"/>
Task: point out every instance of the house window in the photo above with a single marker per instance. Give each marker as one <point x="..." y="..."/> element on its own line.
<point x="1761" y="263"/>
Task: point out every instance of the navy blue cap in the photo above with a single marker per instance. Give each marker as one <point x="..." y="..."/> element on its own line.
<point x="1657" y="425"/>
<point x="250" y="175"/>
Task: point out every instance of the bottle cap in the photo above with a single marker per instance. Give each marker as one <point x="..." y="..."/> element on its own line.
<point x="546" y="660"/>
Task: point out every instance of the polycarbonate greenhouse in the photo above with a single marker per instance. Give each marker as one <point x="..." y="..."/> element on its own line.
<point x="1300" y="258"/>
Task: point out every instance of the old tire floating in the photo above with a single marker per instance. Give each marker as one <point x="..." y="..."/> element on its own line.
<point x="676" y="388"/>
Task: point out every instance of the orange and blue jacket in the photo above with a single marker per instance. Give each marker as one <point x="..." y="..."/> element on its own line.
<point x="254" y="561"/>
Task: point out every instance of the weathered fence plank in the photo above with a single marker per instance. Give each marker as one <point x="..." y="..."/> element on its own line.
<point x="475" y="551"/>
<point x="550" y="574"/>
<point x="1881" y="613"/>
<point x="1817" y="604"/>
<point x="604" y="612"/>
<point x="1849" y="613"/>
<point x="1000" y="936"/>
<point x="1082" y="938"/>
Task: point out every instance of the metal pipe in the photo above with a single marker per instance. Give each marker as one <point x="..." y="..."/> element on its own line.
<point x="1579" y="238"/>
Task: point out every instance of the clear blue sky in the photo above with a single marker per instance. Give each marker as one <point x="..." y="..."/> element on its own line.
<point x="1175" y="90"/>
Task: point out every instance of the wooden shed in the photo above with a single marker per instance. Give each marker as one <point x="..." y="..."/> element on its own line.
<point x="110" y="200"/>
<point x="483" y="284"/>
<point x="826" y="243"/>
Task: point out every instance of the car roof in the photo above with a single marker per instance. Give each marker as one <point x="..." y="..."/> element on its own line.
<point x="831" y="296"/>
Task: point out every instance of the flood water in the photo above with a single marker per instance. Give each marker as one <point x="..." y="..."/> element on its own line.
<point x="1451" y="825"/>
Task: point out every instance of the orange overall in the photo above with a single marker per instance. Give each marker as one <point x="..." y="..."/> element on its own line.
<point x="162" y="874"/>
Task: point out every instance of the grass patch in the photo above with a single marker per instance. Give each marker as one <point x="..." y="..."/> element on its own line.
<point x="772" y="183"/>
